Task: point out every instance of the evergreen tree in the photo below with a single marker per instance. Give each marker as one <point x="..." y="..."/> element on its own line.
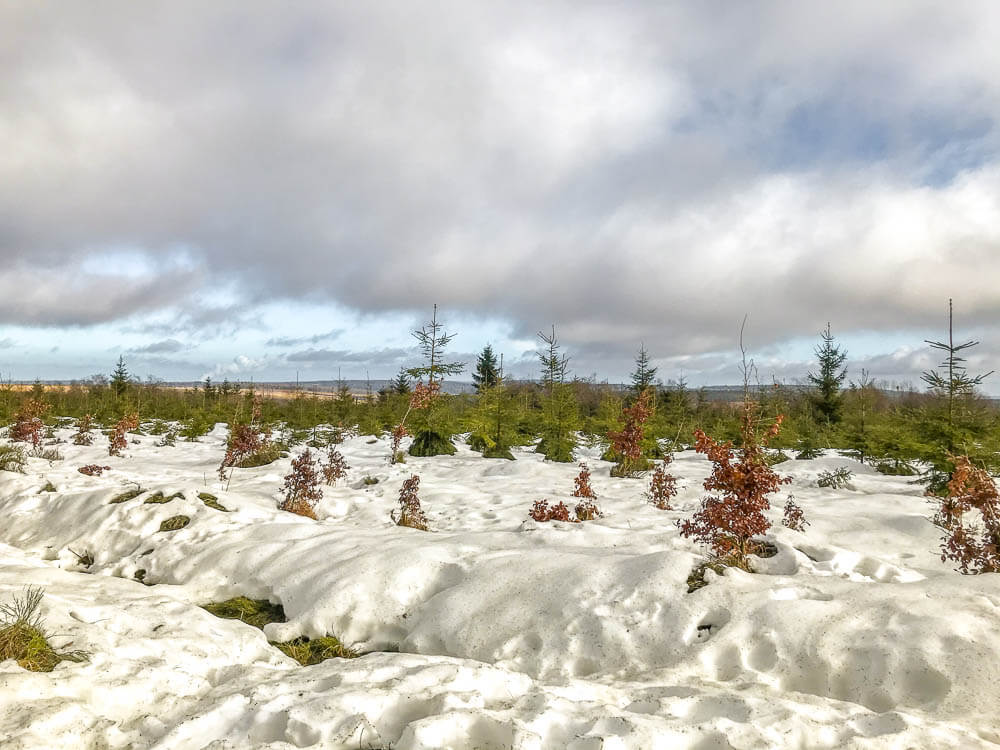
<point x="494" y="421"/>
<point x="952" y="383"/>
<point x="559" y="406"/>
<point x="432" y="428"/>
<point x="487" y="372"/>
<point x="120" y="378"/>
<point x="831" y="376"/>
<point x="401" y="383"/>
<point x="642" y="376"/>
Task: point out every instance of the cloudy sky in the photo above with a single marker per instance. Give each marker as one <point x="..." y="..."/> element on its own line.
<point x="246" y="189"/>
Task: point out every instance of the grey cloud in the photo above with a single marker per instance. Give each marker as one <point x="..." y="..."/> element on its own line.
<point x="631" y="171"/>
<point x="377" y="357"/>
<point x="166" y="346"/>
<point x="298" y="341"/>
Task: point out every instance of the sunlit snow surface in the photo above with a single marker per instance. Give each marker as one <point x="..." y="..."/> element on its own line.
<point x="492" y="631"/>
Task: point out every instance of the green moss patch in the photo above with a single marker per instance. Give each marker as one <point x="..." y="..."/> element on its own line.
<point x="256" y="612"/>
<point x="174" y="523"/>
<point x="312" y="651"/>
<point x="158" y="498"/>
<point x="212" y="501"/>
<point x="127" y="495"/>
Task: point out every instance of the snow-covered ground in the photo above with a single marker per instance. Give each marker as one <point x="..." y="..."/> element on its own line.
<point x="492" y="631"/>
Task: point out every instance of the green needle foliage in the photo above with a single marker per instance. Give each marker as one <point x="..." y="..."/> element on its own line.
<point x="828" y="382"/>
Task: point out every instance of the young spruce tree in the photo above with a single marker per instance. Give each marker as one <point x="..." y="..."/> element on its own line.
<point x="432" y="427"/>
<point x="642" y="376"/>
<point x="487" y="370"/>
<point x="559" y="407"/>
<point x="827" y="401"/>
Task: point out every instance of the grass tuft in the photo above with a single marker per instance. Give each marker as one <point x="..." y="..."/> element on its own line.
<point x="12" y="458"/>
<point x="22" y="635"/>
<point x="260" y="612"/>
<point x="313" y="651"/>
<point x="47" y="487"/>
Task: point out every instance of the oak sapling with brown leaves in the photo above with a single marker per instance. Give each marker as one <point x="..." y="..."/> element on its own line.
<point x="28" y="427"/>
<point x="116" y="439"/>
<point x="83" y="427"/>
<point x="542" y="512"/>
<point x="793" y="517"/>
<point x="301" y="488"/>
<point x="586" y="510"/>
<point x="335" y="467"/>
<point x="974" y="546"/>
<point x="662" y="486"/>
<point x="410" y="512"/>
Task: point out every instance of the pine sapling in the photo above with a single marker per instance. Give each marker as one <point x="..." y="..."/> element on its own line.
<point x="116" y="439"/>
<point x="335" y="467"/>
<point x="662" y="486"/>
<point x="410" y="512"/>
<point x="301" y="488"/>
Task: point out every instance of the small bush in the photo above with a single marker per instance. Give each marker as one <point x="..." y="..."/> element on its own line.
<point x="410" y="512"/>
<point x="51" y="455"/>
<point x="168" y="439"/>
<point x="793" y="517"/>
<point x="12" y="458"/>
<point x="28" y="427"/>
<point x="301" y="488"/>
<point x="370" y="480"/>
<point x="582" y="484"/>
<point x="116" y="439"/>
<point x="542" y="512"/>
<point x="662" y="486"/>
<point x="835" y="479"/>
<point x="627" y="444"/>
<point x="728" y="522"/>
<point x="175" y="523"/>
<point x="23" y="638"/>
<point x="47" y="487"/>
<point x="83" y="427"/>
<point x="335" y="467"/>
<point x="93" y="470"/>
<point x="975" y="547"/>
<point x="248" y="446"/>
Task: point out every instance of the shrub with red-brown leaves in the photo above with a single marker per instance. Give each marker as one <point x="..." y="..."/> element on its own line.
<point x="662" y="486"/>
<point x="28" y="427"/>
<point x="410" y="512"/>
<point x="83" y="427"/>
<point x="541" y="511"/>
<point x="975" y="547"/>
<point x="116" y="440"/>
<point x="301" y="488"/>
<point x="627" y="443"/>
<point x="582" y="482"/>
<point x="424" y="395"/>
<point x="93" y="470"/>
<point x="793" y="517"/>
<point x="245" y="440"/>
<point x="396" y="436"/>
<point x="728" y="521"/>
<point x="335" y="467"/>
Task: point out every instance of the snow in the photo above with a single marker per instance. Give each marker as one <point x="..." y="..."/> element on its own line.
<point x="491" y="631"/>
